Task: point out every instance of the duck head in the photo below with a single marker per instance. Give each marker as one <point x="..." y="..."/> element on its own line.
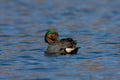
<point x="51" y="36"/>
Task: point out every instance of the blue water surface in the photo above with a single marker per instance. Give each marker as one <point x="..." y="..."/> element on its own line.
<point x="95" y="24"/>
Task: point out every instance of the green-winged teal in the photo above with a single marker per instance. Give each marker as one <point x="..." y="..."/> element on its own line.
<point x="59" y="47"/>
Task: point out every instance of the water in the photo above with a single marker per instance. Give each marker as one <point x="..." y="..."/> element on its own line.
<point x="94" y="24"/>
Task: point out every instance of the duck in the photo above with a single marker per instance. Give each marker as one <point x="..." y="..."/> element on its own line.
<point x="56" y="46"/>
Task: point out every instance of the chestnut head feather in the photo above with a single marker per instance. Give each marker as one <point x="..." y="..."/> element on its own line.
<point x="51" y="36"/>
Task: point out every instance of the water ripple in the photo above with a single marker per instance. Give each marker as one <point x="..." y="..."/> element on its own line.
<point x="93" y="24"/>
